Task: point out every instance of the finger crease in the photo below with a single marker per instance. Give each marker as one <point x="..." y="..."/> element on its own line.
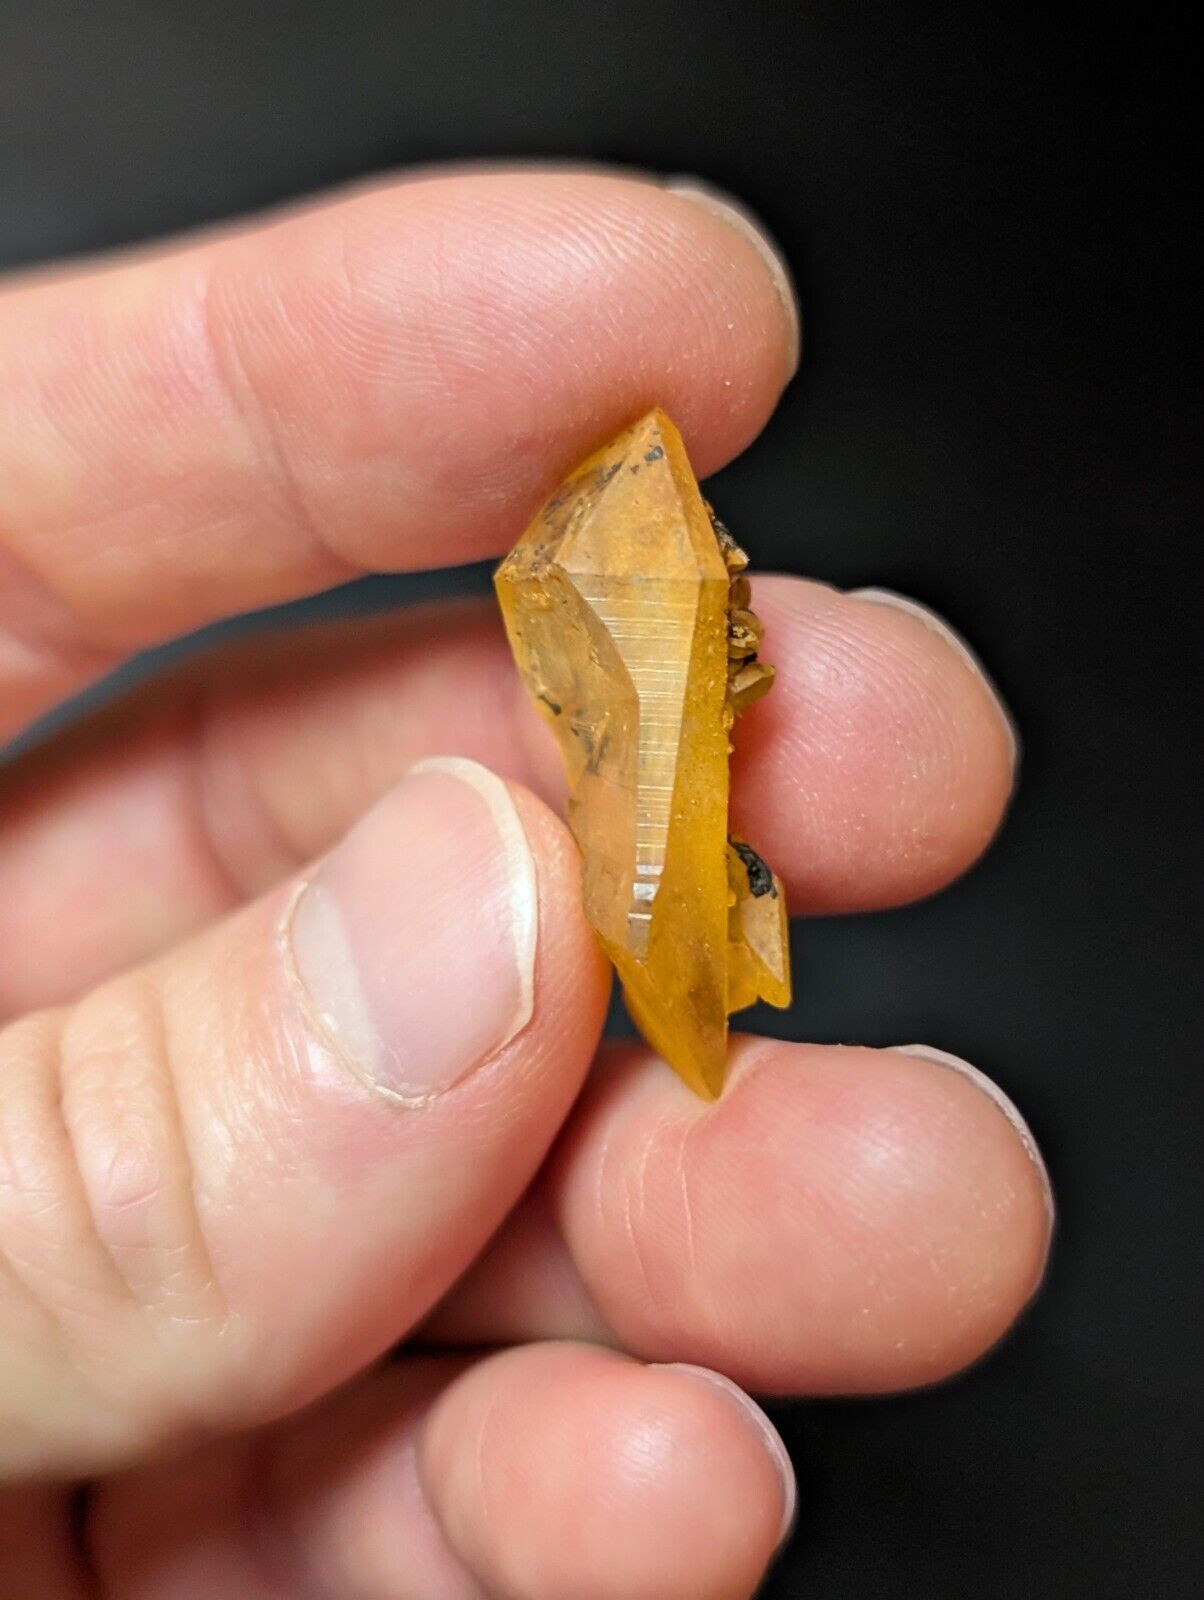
<point x="46" y="637"/>
<point x="163" y="1050"/>
<point x="261" y="424"/>
<point x="221" y="820"/>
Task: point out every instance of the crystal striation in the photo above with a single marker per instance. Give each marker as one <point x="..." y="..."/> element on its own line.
<point x="627" y="608"/>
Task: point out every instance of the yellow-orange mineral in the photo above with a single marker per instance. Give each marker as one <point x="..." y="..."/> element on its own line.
<point x="628" y="614"/>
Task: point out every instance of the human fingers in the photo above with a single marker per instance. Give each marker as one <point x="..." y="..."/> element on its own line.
<point x="387" y="380"/>
<point x="841" y="1220"/>
<point x="230" y="1179"/>
<point x="539" y="1473"/>
<point x="876" y="771"/>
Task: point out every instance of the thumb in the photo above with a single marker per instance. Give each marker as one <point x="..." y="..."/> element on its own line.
<point x="230" y="1179"/>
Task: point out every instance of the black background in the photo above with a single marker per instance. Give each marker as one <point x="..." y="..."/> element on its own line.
<point x="989" y="222"/>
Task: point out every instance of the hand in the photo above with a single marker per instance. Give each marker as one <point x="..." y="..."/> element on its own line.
<point x="235" y="934"/>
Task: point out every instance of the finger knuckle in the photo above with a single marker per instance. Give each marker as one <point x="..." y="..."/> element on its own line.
<point x="98" y="1217"/>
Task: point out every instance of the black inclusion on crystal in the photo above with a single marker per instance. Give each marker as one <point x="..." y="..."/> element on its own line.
<point x="760" y="878"/>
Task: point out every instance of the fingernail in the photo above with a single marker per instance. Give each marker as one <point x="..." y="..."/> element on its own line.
<point x="942" y="1058"/>
<point x="413" y="945"/>
<point x="766" y="1432"/>
<point x="938" y="625"/>
<point x="753" y="232"/>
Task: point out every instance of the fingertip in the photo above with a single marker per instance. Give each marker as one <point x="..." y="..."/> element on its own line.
<point x="901" y="1221"/>
<point x="880" y="767"/>
<point x="1003" y="1102"/>
<point x="949" y="635"/>
<point x="530" y="315"/>
<point x="561" y="1470"/>
<point x="930" y="1211"/>
<point x="437" y="1011"/>
<point x="738" y="217"/>
<point x="763" y="1429"/>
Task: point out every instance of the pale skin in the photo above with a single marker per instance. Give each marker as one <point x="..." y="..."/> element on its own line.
<point x="214" y="1224"/>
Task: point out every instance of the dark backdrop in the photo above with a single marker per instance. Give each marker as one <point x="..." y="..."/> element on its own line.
<point x="988" y="220"/>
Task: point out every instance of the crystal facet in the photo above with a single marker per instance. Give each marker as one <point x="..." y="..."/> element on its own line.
<point x="628" y="614"/>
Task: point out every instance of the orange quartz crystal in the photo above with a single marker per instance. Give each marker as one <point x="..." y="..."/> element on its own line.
<point x="628" y="614"/>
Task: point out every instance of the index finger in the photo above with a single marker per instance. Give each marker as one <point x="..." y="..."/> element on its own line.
<point x="390" y="380"/>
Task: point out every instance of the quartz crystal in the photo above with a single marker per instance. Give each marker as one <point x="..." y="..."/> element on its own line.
<point x="628" y="613"/>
